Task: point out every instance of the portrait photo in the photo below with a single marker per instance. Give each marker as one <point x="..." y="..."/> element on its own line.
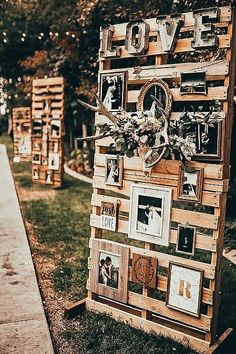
<point x="149" y="218"/>
<point x="208" y="141"/>
<point x="113" y="90"/>
<point x="55" y="128"/>
<point x="109" y="265"/>
<point x="35" y="173"/>
<point x="53" y="161"/>
<point x="37" y="127"/>
<point x="36" y="159"/>
<point x="109" y="269"/>
<point x="190" y="184"/>
<point x="184" y="289"/>
<point x="186" y="240"/>
<point x="114" y="170"/>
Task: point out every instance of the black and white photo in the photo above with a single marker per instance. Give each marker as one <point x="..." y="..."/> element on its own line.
<point x="36" y="159"/>
<point x="109" y="265"/>
<point x="53" y="161"/>
<point x="113" y="90"/>
<point x="190" y="184"/>
<point x="208" y="141"/>
<point x="114" y="170"/>
<point x="186" y="240"/>
<point x="55" y="128"/>
<point x="37" y="127"/>
<point x="149" y="219"/>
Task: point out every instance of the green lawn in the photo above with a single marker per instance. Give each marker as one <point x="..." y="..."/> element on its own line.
<point x="61" y="224"/>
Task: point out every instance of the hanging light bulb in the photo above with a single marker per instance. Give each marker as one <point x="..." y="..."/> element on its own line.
<point x="4" y="40"/>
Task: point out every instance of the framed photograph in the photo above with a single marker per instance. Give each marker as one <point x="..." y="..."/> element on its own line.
<point x="114" y="170"/>
<point x="109" y="269"/>
<point x="36" y="146"/>
<point x="149" y="217"/>
<point x="109" y="213"/>
<point x="184" y="289"/>
<point x="36" y="159"/>
<point x="37" y="127"/>
<point x="25" y="145"/>
<point x="113" y="88"/>
<point x="190" y="184"/>
<point x="55" y="128"/>
<point x="144" y="270"/>
<point x="49" y="177"/>
<point x="158" y="89"/>
<point x="35" y="173"/>
<point x="193" y="83"/>
<point x="186" y="239"/>
<point x="53" y="161"/>
<point x="208" y="142"/>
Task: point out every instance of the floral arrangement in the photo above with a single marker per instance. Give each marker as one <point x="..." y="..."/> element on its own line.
<point x="142" y="130"/>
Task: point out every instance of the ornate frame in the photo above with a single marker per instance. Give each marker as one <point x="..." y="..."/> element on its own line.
<point x="163" y="85"/>
<point x="199" y="185"/>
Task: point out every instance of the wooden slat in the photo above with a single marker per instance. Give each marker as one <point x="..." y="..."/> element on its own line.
<point x="159" y="307"/>
<point x="211" y="171"/>
<point x="41" y="98"/>
<point x="208" y="198"/>
<point x="203" y="242"/>
<point x="213" y="70"/>
<point x="182" y="46"/>
<point x="146" y="325"/>
<point x="48" y="82"/>
<point x="214" y="93"/>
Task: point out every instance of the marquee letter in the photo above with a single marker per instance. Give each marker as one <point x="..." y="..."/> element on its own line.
<point x="169" y="29"/>
<point x="106" y="49"/>
<point x="204" y="36"/>
<point x="137" y="37"/>
<point x="184" y="287"/>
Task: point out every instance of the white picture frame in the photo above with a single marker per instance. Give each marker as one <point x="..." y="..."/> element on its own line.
<point x="184" y="289"/>
<point x="149" y="216"/>
<point x="53" y="161"/>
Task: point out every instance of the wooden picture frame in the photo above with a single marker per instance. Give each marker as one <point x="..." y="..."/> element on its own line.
<point x="190" y="184"/>
<point x="114" y="170"/>
<point x="193" y="83"/>
<point x="186" y="240"/>
<point x="159" y="89"/>
<point x="105" y="281"/>
<point x="184" y="289"/>
<point x="55" y="131"/>
<point x="149" y="217"/>
<point x="53" y="161"/>
<point x="113" y="90"/>
<point x="144" y="270"/>
<point x="36" y="158"/>
<point x="209" y="148"/>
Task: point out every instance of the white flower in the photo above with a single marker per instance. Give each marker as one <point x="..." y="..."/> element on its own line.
<point x="143" y="139"/>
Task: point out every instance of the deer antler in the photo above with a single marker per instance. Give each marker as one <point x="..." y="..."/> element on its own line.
<point x="100" y="108"/>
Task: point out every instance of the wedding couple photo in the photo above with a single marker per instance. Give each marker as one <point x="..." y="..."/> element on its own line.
<point x="149" y="215"/>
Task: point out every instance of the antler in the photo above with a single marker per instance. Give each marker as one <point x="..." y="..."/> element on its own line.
<point x="100" y="108"/>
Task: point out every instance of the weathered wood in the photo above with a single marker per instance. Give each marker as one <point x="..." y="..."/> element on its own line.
<point x="148" y="326"/>
<point x="75" y="309"/>
<point x="225" y="344"/>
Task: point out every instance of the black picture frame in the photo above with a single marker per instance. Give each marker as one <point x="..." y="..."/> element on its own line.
<point x="186" y="240"/>
<point x="113" y="89"/>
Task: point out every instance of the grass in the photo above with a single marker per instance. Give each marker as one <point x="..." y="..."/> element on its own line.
<point x="61" y="224"/>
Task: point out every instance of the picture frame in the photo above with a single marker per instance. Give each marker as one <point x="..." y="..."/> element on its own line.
<point x="186" y="240"/>
<point x="55" y="130"/>
<point x="109" y="216"/>
<point x="144" y="270"/>
<point x="184" y="289"/>
<point x="109" y="269"/>
<point x="193" y="83"/>
<point x="208" y="142"/>
<point x="190" y="184"/>
<point x="53" y="161"/>
<point x="36" y="158"/>
<point x="149" y="217"/>
<point x="114" y="170"/>
<point x="35" y="173"/>
<point x="159" y="89"/>
<point x="37" y="125"/>
<point x="113" y="90"/>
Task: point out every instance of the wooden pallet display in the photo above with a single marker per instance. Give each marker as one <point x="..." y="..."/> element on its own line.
<point x="21" y="121"/>
<point x="142" y="310"/>
<point x="48" y="130"/>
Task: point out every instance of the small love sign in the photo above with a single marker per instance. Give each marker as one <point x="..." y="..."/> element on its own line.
<point x="108" y="216"/>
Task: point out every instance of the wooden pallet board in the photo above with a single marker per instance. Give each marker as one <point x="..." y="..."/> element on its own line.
<point x="48" y="110"/>
<point x="142" y="310"/>
<point x="21" y="122"/>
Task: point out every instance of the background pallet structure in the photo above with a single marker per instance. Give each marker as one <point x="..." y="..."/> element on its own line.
<point x="48" y="130"/>
<point x="142" y="310"/>
<point x="21" y="121"/>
